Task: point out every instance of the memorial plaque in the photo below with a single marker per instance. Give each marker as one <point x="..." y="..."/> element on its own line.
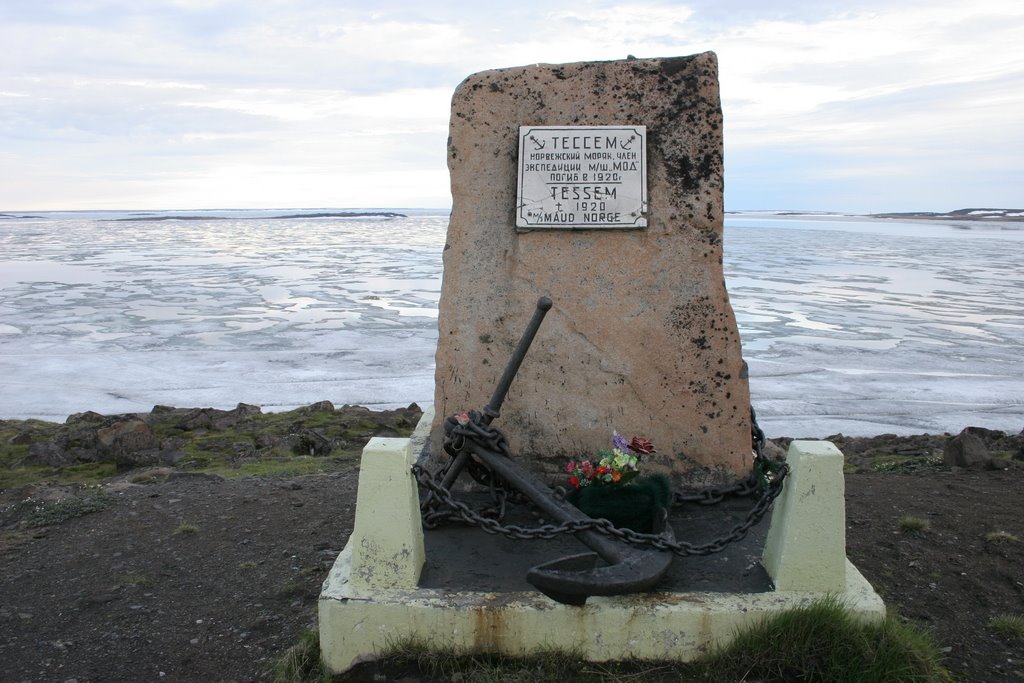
<point x="582" y="177"/>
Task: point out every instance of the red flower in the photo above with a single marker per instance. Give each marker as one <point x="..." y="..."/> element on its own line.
<point x="575" y="482"/>
<point x="641" y="445"/>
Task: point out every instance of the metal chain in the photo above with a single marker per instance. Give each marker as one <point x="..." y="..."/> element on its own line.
<point x="478" y="430"/>
<point x="766" y="476"/>
<point x="756" y="480"/>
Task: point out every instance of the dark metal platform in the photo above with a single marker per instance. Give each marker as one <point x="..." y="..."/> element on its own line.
<point x="462" y="558"/>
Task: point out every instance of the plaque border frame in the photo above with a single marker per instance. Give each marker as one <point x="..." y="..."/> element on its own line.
<point x="639" y="223"/>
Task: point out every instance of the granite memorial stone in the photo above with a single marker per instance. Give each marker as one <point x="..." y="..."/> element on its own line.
<point x="598" y="184"/>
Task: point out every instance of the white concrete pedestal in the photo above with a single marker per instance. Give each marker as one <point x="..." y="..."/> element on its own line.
<point x="371" y="598"/>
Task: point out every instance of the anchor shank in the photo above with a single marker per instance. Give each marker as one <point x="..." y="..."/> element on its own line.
<point x="493" y="407"/>
<point x="610" y="550"/>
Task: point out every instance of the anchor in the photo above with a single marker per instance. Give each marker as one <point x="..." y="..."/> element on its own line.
<point x="569" y="580"/>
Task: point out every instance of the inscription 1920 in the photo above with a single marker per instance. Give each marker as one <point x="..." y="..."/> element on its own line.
<point x="582" y="177"/>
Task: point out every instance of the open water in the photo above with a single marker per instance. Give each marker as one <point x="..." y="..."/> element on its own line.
<point x="849" y="325"/>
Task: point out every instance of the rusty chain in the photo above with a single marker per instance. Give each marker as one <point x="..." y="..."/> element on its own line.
<point x="440" y="506"/>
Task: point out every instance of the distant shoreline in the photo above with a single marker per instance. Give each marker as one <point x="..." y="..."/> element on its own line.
<point x="986" y="215"/>
<point x="335" y="214"/>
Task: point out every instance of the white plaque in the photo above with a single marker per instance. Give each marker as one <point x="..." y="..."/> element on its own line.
<point x="582" y="177"/>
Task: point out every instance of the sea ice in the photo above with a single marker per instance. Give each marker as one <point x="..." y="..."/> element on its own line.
<point x="849" y="325"/>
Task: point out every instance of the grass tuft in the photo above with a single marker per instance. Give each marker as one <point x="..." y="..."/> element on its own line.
<point x="1001" y="537"/>
<point x="1008" y="625"/>
<point x="293" y="588"/>
<point x="137" y="581"/>
<point x="912" y="525"/>
<point x="13" y="539"/>
<point x="825" y="642"/>
<point x="301" y="662"/>
<point x="185" y="529"/>
<point x="143" y="478"/>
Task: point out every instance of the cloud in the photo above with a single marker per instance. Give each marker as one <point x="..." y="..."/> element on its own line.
<point x="110" y="101"/>
<point x="790" y="69"/>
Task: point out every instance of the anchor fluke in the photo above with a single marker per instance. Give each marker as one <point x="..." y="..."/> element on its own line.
<point x="570" y="580"/>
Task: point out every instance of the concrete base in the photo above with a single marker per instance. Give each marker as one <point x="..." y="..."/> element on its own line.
<point x="360" y="618"/>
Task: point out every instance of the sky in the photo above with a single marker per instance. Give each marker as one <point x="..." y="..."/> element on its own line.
<point x="856" y="106"/>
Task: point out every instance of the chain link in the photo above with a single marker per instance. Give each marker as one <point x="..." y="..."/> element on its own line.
<point x="440" y="506"/>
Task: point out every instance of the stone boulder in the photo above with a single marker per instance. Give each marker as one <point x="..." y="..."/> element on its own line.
<point x="126" y="436"/>
<point x="310" y="442"/>
<point x="45" y="453"/>
<point x="318" y="407"/>
<point x="208" y="418"/>
<point x="129" y="444"/>
<point x="967" y="450"/>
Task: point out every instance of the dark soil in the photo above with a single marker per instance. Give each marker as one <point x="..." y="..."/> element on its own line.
<point x="187" y="578"/>
<point x="161" y="574"/>
<point x="947" y="577"/>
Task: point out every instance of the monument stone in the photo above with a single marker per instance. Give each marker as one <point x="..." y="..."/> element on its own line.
<point x="598" y="184"/>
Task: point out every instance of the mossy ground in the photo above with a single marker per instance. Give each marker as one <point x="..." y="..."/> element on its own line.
<point x="310" y="440"/>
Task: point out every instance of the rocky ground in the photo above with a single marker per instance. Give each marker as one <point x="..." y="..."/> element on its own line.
<point x="166" y="570"/>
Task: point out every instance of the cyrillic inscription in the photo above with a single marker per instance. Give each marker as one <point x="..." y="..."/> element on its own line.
<point x="576" y="177"/>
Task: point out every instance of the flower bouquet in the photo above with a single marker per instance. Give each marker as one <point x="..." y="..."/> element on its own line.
<point x="608" y="487"/>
